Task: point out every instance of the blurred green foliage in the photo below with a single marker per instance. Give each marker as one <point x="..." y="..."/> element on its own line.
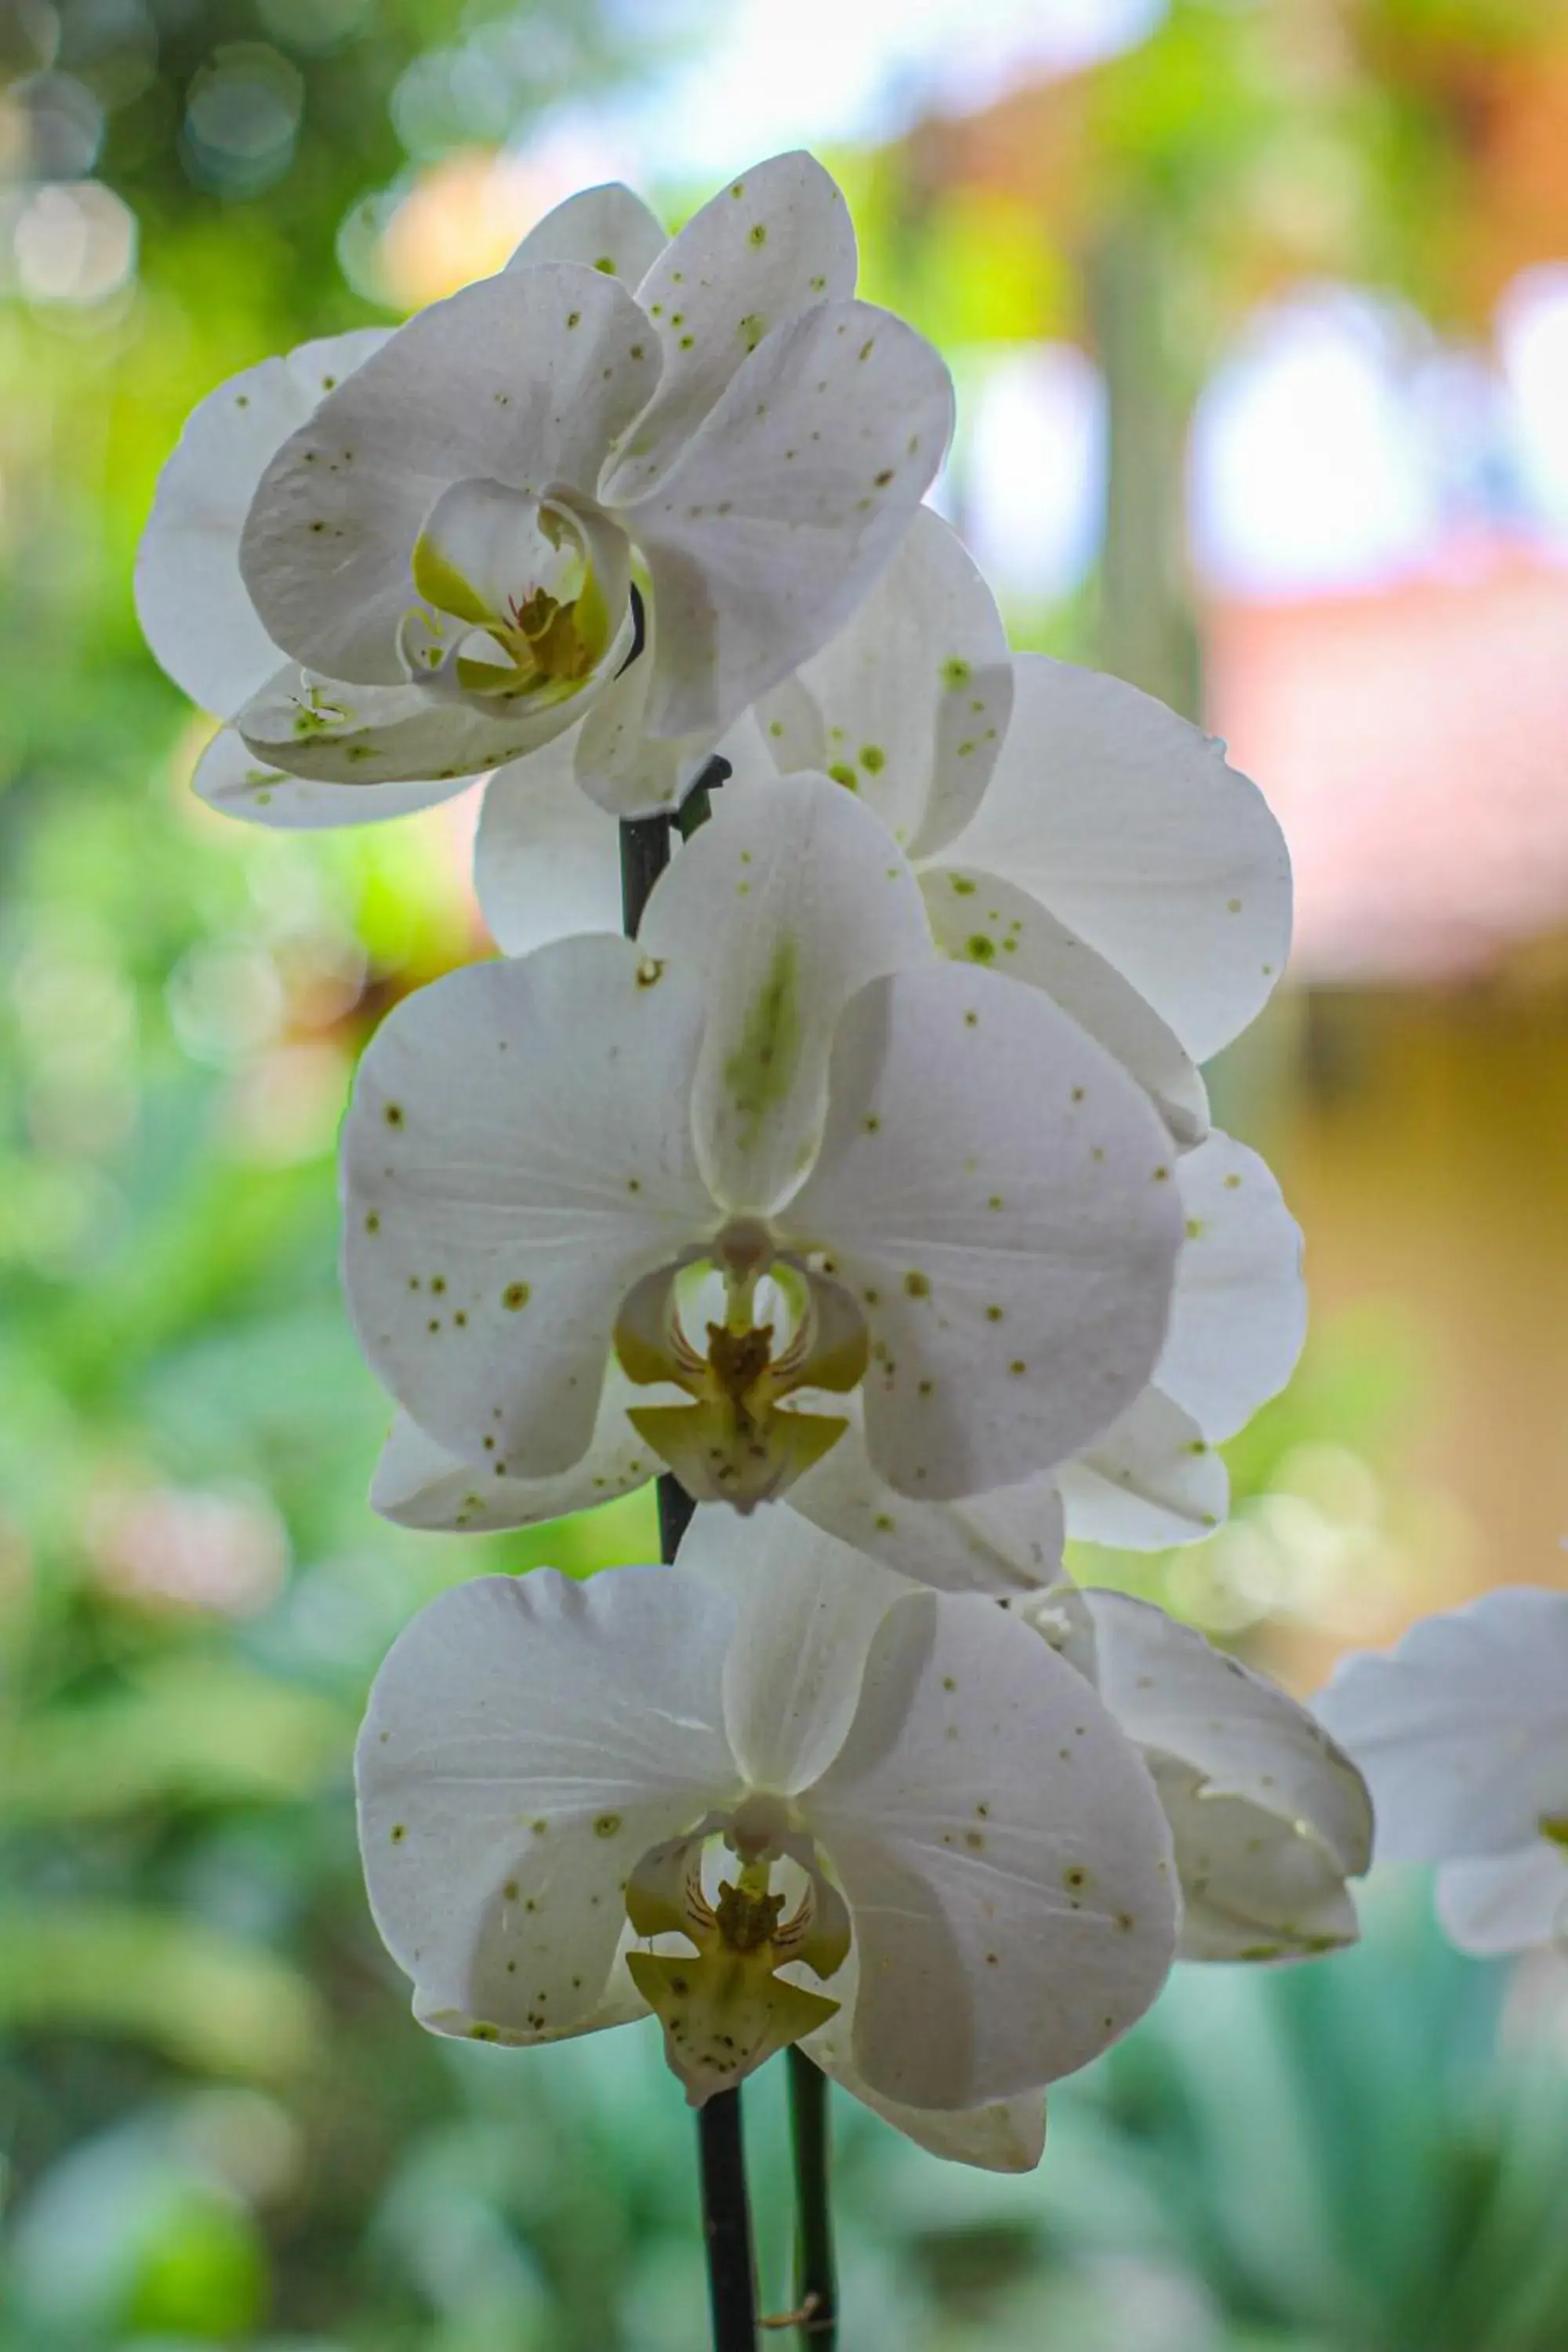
<point x="217" y="2124"/>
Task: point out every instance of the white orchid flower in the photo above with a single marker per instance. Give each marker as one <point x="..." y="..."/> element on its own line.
<point x="708" y="1794"/>
<point x="1269" y="1818"/>
<point x="964" y="1207"/>
<point x="1462" y="1732"/>
<point x="1067" y="829"/>
<point x="194" y="610"/>
<point x="450" y="544"/>
<point x="1154" y="1478"/>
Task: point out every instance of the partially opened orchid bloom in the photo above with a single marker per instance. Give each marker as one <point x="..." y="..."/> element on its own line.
<point x="1154" y="1478"/>
<point x="963" y="1207"/>
<point x="1462" y="1732"/>
<point x="795" y="1800"/>
<point x="1066" y="829"/>
<point x="448" y="548"/>
<point x="1269" y="1818"/>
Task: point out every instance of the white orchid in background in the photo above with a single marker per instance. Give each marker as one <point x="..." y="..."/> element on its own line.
<point x="1154" y="1478"/>
<point x="452" y="539"/>
<point x="1462" y="1732"/>
<point x="1269" y="1818"/>
<point x="964" y="1209"/>
<point x="711" y="1790"/>
<point x="1066" y="829"/>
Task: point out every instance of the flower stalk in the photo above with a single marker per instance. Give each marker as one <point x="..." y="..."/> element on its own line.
<point x="817" y="2285"/>
<point x="726" y="2207"/>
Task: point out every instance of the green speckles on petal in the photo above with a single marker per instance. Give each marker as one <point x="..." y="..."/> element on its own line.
<point x="960" y="885"/>
<point x="979" y="948"/>
<point x="916" y="1284"/>
<point x="761" y="1070"/>
<point x="757" y="234"/>
<point x="956" y="671"/>
<point x="605" y="265"/>
<point x="873" y="759"/>
<point x="752" y="330"/>
<point x="842" y="773"/>
<point x="515" y="1296"/>
<point x="607" y="1825"/>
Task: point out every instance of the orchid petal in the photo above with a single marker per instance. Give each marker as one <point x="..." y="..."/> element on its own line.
<point x="527" y="1740"/>
<point x="1153" y="1479"/>
<point x="999" y="1196"/>
<point x="978" y="917"/>
<point x="546" y="861"/>
<point x="1007" y="1541"/>
<point x="608" y="228"/>
<point x="419" y="1484"/>
<point x="782" y="907"/>
<point x="1462" y="1727"/>
<point x="1239" y="1316"/>
<point x="370" y="735"/>
<point x="521" y="380"/>
<point x="808" y="1608"/>
<point x="767" y="528"/>
<point x="774" y="243"/>
<point x="518" y="1154"/>
<point x="1254" y="1887"/>
<point x="1171" y="1689"/>
<point x="1506" y="1903"/>
<point x="229" y="777"/>
<point x="1003" y="1857"/>
<point x="1009" y="2136"/>
<point x="1128" y="825"/>
<point x="909" y="704"/>
<point x="195" y="612"/>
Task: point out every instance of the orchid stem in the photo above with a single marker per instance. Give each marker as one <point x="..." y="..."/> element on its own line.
<point x="726" y="2209"/>
<point x="727" y="2224"/>
<point x="816" y="2286"/>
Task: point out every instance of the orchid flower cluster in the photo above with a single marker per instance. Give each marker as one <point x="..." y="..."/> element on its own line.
<point x="869" y="1192"/>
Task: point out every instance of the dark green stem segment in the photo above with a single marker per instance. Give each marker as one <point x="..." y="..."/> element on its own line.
<point x="727" y="2224"/>
<point x="726" y="2209"/>
<point x="816" y="2285"/>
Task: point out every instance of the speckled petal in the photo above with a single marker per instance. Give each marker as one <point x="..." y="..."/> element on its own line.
<point x="517" y="1155"/>
<point x="1004" y="1855"/>
<point x="230" y="777"/>
<point x="528" y="1740"/>
<point x="419" y="1484"/>
<point x="608" y="228"/>
<point x="1254" y="1887"/>
<point x="781" y="908"/>
<point x="909" y="704"/>
<point x="195" y="612"/>
<point x="521" y="380"/>
<point x="1462" y="1727"/>
<point x="1007" y="1541"/>
<point x="772" y="244"/>
<point x="772" y="523"/>
<point x="1127" y="823"/>
<point x="1171" y="1689"/>
<point x="998" y="1195"/>
<point x="1153" y="1479"/>
<point x="1238" y="1317"/>
<point x="978" y="917"/>
<point x="546" y="861"/>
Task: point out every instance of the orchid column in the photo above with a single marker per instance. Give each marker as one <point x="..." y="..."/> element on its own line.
<point x="865" y="1194"/>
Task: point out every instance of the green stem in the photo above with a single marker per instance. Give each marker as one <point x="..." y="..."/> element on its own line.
<point x="817" y="2285"/>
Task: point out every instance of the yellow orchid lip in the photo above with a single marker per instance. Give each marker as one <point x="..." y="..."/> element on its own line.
<point x="512" y="600"/>
<point x="739" y="1441"/>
